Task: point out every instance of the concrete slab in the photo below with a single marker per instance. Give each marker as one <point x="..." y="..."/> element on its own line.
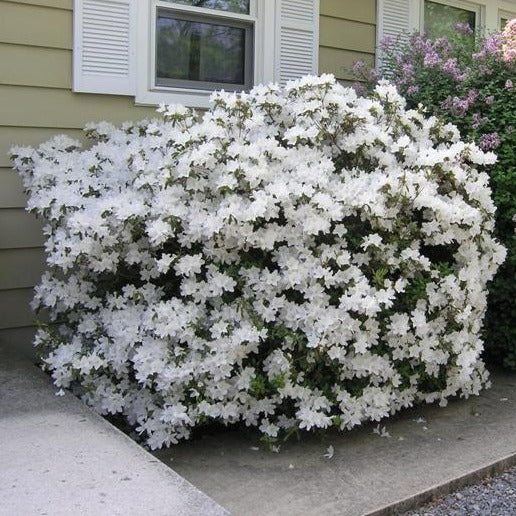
<point x="430" y="450"/>
<point x="57" y="457"/>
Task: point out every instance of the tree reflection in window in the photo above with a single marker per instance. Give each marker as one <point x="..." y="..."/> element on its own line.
<point x="442" y="20"/>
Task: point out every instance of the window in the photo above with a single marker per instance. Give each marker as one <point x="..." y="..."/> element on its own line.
<point x="193" y="47"/>
<point x="179" y="51"/>
<point x="397" y="18"/>
<point x="194" y="50"/>
<point x="504" y="17"/>
<point x="440" y="19"/>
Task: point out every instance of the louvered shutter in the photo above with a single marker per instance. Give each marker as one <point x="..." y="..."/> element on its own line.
<point x="298" y="39"/>
<point x="396" y="18"/>
<point x="104" y="46"/>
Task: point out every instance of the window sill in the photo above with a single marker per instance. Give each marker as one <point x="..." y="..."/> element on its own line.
<point x="188" y="98"/>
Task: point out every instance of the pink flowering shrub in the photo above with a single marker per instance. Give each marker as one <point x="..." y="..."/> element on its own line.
<point x="296" y="258"/>
<point x="474" y="90"/>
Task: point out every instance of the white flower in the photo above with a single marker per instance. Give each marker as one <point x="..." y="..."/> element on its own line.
<point x="189" y="265"/>
<point x="252" y="263"/>
<point x="330" y="451"/>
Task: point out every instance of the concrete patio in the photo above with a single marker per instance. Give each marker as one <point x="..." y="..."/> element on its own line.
<point x="60" y="458"/>
<point x="430" y="451"/>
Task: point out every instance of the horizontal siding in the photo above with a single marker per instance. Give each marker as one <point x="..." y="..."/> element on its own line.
<point x="11" y="189"/>
<point x="41" y="66"/>
<point x="56" y="4"/>
<point x="25" y="24"/>
<point x="347" y="34"/>
<point x="48" y="107"/>
<point x="339" y="62"/>
<point x="19" y="229"/>
<point x="21" y="268"/>
<point x="30" y="136"/>
<point x="15" y="308"/>
<point x="363" y="11"/>
<point x="21" y="339"/>
<point x="36" y="103"/>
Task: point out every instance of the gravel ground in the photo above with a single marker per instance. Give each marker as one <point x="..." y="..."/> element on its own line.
<point x="492" y="497"/>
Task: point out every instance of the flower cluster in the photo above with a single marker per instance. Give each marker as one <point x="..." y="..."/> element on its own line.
<point x="294" y="258"/>
<point x="473" y="89"/>
<point x="509" y="41"/>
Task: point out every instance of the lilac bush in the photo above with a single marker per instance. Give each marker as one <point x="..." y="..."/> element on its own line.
<point x="474" y="90"/>
<point x="297" y="258"/>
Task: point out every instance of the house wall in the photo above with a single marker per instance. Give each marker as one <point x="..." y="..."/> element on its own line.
<point x="36" y="102"/>
<point x="347" y="33"/>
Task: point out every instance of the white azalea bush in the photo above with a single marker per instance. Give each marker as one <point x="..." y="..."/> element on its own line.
<point x="293" y="258"/>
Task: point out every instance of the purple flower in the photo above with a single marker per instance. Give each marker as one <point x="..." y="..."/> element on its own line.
<point x="472" y="95"/>
<point x="464" y="28"/>
<point x="508" y="84"/>
<point x="489" y="141"/>
<point x="412" y="89"/>
<point x="489" y="100"/>
<point x="408" y="69"/>
<point x="359" y="88"/>
<point x="359" y="67"/>
<point x="478" y="120"/>
<point x="491" y="46"/>
<point x="459" y="106"/>
<point x="485" y="70"/>
<point x="386" y="42"/>
<point x="431" y="59"/>
<point x="451" y="68"/>
<point x="442" y="44"/>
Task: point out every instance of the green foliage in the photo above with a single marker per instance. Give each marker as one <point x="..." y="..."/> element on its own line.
<point x="474" y="90"/>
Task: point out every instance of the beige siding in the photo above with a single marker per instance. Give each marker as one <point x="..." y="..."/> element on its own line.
<point x="11" y="190"/>
<point x="57" y="4"/>
<point x="47" y="67"/>
<point x="336" y="61"/>
<point x="25" y="24"/>
<point x="347" y="34"/>
<point x="60" y="108"/>
<point x="19" y="229"/>
<point x="36" y="103"/>
<point x="20" y="337"/>
<point x="356" y="10"/>
<point x="21" y="268"/>
<point x="15" y="308"/>
<point x="10" y="136"/>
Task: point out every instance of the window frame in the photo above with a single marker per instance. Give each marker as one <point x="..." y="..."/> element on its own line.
<point x="504" y="14"/>
<point x="262" y="17"/>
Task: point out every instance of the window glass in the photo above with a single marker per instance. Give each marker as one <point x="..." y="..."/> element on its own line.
<point x="441" y="20"/>
<point x="504" y="20"/>
<point x="234" y="6"/>
<point x="202" y="53"/>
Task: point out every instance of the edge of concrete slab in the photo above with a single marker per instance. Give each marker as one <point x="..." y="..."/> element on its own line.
<point x="406" y="504"/>
<point x="61" y="454"/>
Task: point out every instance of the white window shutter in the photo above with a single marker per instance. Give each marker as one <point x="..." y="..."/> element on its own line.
<point x="396" y="18"/>
<point x="298" y="47"/>
<point x="104" y="46"/>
